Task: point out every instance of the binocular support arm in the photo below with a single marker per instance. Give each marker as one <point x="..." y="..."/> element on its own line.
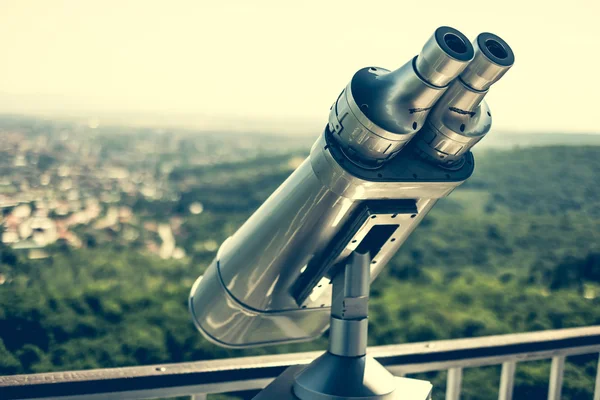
<point x="345" y="371"/>
<point x="349" y="307"/>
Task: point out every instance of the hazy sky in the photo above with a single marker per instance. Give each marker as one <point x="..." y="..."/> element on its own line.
<point x="284" y="61"/>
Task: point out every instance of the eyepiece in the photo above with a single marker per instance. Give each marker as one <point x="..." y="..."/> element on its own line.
<point x="455" y="43"/>
<point x="496" y="49"/>
<point x="461" y="118"/>
<point x="380" y="111"/>
<point x="493" y="57"/>
<point x="444" y="56"/>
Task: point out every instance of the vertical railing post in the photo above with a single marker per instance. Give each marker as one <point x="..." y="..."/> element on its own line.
<point x="507" y="380"/>
<point x="453" y="384"/>
<point x="556" y="377"/>
<point x="597" y="387"/>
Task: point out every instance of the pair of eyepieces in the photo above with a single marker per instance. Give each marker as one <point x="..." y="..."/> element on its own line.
<point x="449" y="53"/>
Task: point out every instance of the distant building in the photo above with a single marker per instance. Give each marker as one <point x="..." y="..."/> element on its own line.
<point x="168" y="241"/>
<point x="196" y="208"/>
<point x="10" y="237"/>
<point x="37" y="254"/>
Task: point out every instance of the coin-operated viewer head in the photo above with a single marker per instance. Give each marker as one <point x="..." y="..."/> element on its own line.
<point x="396" y="142"/>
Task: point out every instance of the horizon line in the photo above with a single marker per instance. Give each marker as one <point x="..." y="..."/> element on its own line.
<point x="126" y="119"/>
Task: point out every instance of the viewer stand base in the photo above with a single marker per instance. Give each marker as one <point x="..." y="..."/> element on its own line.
<point x="281" y="388"/>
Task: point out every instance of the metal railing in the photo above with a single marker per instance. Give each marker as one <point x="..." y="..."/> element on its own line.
<point x="197" y="379"/>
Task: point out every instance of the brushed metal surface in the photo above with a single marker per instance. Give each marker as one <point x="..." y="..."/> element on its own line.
<point x="245" y="297"/>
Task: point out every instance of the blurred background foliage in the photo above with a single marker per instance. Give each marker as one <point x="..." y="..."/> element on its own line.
<point x="515" y="249"/>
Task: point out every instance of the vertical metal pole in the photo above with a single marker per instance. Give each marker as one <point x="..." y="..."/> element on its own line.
<point x="453" y="384"/>
<point x="350" y="307"/>
<point x="556" y="377"/>
<point x="597" y="387"/>
<point x="507" y="380"/>
<point x="201" y="396"/>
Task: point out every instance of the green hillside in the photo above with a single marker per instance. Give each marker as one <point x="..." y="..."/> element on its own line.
<point x="515" y="249"/>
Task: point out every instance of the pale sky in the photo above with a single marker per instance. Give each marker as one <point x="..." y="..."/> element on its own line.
<point x="284" y="61"/>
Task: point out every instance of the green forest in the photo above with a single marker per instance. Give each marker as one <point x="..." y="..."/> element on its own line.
<point x="514" y="249"/>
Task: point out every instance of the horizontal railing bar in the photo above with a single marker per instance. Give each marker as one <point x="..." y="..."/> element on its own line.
<point x="406" y="369"/>
<point x="488" y="346"/>
<point x="225" y="375"/>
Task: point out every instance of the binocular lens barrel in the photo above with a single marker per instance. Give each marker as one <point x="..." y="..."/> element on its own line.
<point x="444" y="56"/>
<point x="461" y="117"/>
